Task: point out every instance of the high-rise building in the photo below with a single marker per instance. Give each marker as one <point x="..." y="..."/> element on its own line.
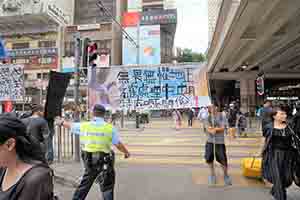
<point x="30" y="32"/>
<point x="108" y="35"/>
<point x="213" y="13"/>
<point x="87" y="12"/>
<point x="153" y="25"/>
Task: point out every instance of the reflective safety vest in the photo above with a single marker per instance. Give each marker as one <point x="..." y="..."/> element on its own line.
<point x="95" y="138"/>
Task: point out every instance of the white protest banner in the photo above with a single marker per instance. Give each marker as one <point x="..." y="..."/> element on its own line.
<point x="11" y="83"/>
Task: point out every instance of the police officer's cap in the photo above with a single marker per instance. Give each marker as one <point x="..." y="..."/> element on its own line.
<point x="99" y="109"/>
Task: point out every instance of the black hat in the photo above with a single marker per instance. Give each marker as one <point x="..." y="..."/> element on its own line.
<point x="99" y="109"/>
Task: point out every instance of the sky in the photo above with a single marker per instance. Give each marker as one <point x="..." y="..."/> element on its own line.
<point x="192" y="27"/>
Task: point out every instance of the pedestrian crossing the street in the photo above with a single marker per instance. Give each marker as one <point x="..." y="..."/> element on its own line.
<point x="184" y="147"/>
<point x="166" y="146"/>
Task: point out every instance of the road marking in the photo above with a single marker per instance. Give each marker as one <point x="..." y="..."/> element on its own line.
<point x="200" y="177"/>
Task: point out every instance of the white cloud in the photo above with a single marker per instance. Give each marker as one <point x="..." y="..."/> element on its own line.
<point x="192" y="28"/>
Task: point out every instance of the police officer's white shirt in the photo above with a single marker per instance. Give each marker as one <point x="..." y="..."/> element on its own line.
<point x="75" y="129"/>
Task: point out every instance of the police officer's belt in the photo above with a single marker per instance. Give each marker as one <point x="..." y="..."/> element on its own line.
<point x="95" y="154"/>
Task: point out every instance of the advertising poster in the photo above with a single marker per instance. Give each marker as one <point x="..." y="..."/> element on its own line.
<point x="129" y="49"/>
<point x="150" y="45"/>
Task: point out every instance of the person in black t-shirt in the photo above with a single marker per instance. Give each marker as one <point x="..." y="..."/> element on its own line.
<point x="280" y="153"/>
<point x="24" y="174"/>
<point x="38" y="128"/>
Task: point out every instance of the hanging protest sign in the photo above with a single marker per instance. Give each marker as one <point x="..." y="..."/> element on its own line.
<point x="11" y="83"/>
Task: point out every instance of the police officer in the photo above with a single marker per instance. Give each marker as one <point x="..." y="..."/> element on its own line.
<point x="96" y="138"/>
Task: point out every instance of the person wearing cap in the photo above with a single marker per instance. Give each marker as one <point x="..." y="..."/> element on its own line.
<point x="96" y="138"/>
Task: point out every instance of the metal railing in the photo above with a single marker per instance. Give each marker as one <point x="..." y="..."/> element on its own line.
<point x="64" y="144"/>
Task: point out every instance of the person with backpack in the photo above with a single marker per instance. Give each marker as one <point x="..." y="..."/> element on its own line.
<point x="24" y="173"/>
<point x="232" y="120"/>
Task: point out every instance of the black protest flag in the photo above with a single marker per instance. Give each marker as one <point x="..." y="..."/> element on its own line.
<point x="57" y="88"/>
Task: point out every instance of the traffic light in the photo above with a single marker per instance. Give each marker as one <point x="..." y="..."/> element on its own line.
<point x="89" y="55"/>
<point x="93" y="54"/>
<point x="260" y="86"/>
<point x="85" y="54"/>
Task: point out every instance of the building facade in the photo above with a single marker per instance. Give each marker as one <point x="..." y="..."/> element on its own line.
<point x="88" y="16"/>
<point x="213" y="13"/>
<point x="31" y="34"/>
<point x="251" y="58"/>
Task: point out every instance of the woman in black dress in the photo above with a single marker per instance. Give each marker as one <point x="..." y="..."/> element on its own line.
<point x="24" y="174"/>
<point x="279" y="154"/>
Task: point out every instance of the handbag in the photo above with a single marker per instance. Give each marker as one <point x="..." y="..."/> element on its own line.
<point x="267" y="158"/>
<point x="296" y="146"/>
<point x="252" y="167"/>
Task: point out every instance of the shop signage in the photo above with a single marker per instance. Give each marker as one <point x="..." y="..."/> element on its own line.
<point x="87" y="27"/>
<point x="131" y="19"/>
<point x="159" y="17"/>
<point x="32" y="52"/>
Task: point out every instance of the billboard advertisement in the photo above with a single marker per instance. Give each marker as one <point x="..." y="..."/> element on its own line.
<point x="131" y="19"/>
<point x="134" y="5"/>
<point x="129" y="49"/>
<point x="153" y="88"/>
<point x="150" y="44"/>
<point x="169" y="4"/>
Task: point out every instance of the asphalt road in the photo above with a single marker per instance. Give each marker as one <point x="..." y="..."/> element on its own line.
<point x="163" y="182"/>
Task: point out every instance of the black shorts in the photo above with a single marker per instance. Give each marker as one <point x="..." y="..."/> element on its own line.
<point x="221" y="156"/>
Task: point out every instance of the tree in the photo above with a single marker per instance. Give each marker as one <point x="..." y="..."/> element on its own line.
<point x="187" y="55"/>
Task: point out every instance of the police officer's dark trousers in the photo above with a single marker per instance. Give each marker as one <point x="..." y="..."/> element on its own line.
<point x="93" y="163"/>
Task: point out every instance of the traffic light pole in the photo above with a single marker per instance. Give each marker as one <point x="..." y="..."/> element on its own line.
<point x="138" y="62"/>
<point x="76" y="92"/>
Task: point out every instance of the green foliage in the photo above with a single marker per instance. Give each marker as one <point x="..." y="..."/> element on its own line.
<point x="187" y="55"/>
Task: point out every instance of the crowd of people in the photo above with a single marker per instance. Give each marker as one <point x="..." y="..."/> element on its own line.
<point x="26" y="153"/>
<point x="26" y="149"/>
<point x="280" y="125"/>
<point x="234" y="119"/>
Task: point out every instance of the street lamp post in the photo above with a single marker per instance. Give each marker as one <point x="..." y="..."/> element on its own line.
<point x="129" y="38"/>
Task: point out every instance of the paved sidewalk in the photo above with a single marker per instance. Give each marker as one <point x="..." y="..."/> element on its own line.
<point x="161" y="182"/>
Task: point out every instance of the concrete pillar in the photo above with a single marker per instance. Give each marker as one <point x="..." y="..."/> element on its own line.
<point x="248" y="95"/>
